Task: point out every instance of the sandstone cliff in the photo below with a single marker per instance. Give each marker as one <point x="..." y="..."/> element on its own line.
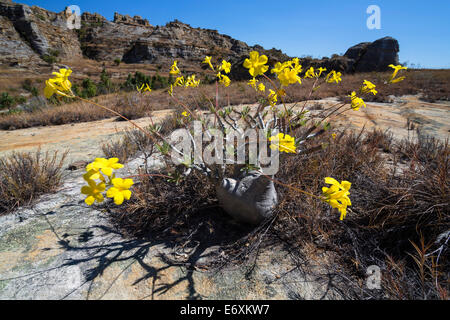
<point x="30" y="34"/>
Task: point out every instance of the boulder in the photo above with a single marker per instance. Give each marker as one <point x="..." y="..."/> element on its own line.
<point x="251" y="198"/>
<point x="375" y="56"/>
<point x="239" y="72"/>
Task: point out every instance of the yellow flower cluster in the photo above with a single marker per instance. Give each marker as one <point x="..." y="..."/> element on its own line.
<point x="283" y="142"/>
<point x="273" y="97"/>
<point x="256" y="64"/>
<point x="181" y="81"/>
<point x="393" y="78"/>
<point x="224" y="67"/>
<point x="287" y="72"/>
<point x="333" y="76"/>
<point x="97" y="170"/>
<point x="144" y="88"/>
<point x="174" y="68"/>
<point x="254" y="84"/>
<point x="337" y="195"/>
<point x="356" y="102"/>
<point x="311" y="74"/>
<point x="368" y="87"/>
<point x="59" y="84"/>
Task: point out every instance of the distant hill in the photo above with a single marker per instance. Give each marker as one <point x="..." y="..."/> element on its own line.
<point x="31" y="37"/>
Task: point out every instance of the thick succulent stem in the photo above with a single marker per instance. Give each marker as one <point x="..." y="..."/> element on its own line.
<point x="251" y="198"/>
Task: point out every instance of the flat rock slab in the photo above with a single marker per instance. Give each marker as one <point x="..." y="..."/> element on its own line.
<point x="63" y="249"/>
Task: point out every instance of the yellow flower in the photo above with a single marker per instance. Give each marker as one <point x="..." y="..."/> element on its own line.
<point x="93" y="174"/>
<point x="356" y="101"/>
<point x="59" y="84"/>
<point x="179" y="82"/>
<point x="333" y="76"/>
<point x="253" y="83"/>
<point x="256" y="64"/>
<point x="289" y="76"/>
<point x="320" y="71"/>
<point x="208" y="61"/>
<point x="142" y="89"/>
<point x="368" y="87"/>
<point x="273" y="97"/>
<point x="397" y="79"/>
<point x="226" y="66"/>
<point x="224" y="80"/>
<point x="185" y="114"/>
<point x="310" y="73"/>
<point x="63" y="74"/>
<point x="120" y="191"/>
<point x="283" y="142"/>
<point x="297" y="66"/>
<point x="334" y="135"/>
<point x="337" y="195"/>
<point x="174" y="68"/>
<point x="394" y="74"/>
<point x="278" y="68"/>
<point x="261" y="87"/>
<point x="191" y="82"/>
<point x="106" y="166"/>
<point x="53" y="87"/>
<point x="93" y="192"/>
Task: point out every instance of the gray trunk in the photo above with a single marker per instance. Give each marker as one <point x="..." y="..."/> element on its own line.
<point x="251" y="198"/>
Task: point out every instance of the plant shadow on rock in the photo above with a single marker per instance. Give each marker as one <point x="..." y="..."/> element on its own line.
<point x="385" y="225"/>
<point x="192" y="230"/>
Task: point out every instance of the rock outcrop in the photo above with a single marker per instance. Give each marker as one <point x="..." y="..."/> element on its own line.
<point x="30" y="33"/>
<point x="373" y="56"/>
<point x="134" y="21"/>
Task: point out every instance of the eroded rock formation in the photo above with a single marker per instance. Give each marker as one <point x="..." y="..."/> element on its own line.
<point x="28" y="34"/>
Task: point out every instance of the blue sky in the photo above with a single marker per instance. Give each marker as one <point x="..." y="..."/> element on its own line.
<point x="313" y="27"/>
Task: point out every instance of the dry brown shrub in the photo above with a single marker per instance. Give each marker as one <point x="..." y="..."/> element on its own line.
<point x="26" y="176"/>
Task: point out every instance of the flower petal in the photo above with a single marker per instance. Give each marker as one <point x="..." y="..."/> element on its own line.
<point x="118" y="198"/>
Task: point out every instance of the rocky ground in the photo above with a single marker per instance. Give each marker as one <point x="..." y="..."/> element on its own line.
<point x="62" y="249"/>
<point x="84" y="140"/>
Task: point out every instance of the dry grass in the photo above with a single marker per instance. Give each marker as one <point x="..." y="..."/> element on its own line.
<point x="130" y="105"/>
<point x="432" y="84"/>
<point x="26" y="176"/>
<point x="135" y="141"/>
<point x="400" y="206"/>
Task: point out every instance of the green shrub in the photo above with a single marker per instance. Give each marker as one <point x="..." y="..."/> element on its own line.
<point x="136" y="81"/>
<point x="159" y="82"/>
<point x="27" y="85"/>
<point x="49" y="59"/>
<point x="89" y="88"/>
<point x="6" y="101"/>
<point x="34" y="91"/>
<point x="105" y="85"/>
